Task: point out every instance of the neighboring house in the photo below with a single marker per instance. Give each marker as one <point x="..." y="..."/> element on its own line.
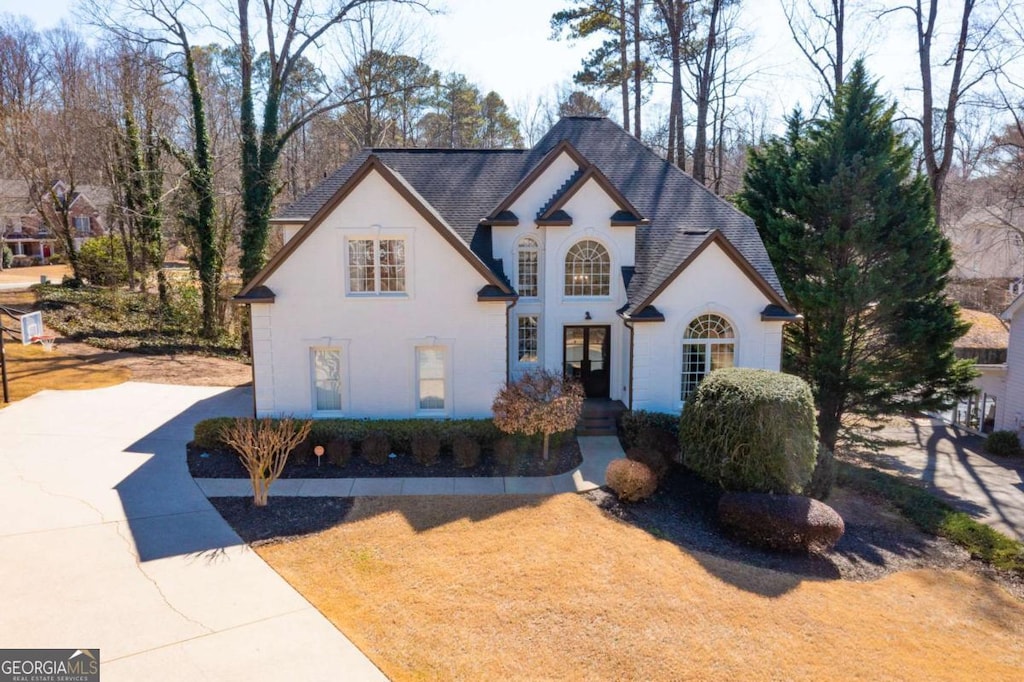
<point x="987" y="244"/>
<point x="25" y="232"/>
<point x="1011" y="416"/>
<point x="986" y="343"/>
<point x="416" y="282"/>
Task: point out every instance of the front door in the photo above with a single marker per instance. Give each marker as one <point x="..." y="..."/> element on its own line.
<point x="586" y="358"/>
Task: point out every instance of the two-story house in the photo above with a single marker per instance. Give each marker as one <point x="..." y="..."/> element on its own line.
<point x="415" y="282"/>
<point x="29" y="235"/>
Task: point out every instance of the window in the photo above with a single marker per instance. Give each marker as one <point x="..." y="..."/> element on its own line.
<point x="326" y="379"/>
<point x="587" y="270"/>
<point x="528" y="338"/>
<point x="376" y="266"/>
<point x="430" y="378"/>
<point x="82" y="225"/>
<point x="527" y="267"/>
<point x="709" y="344"/>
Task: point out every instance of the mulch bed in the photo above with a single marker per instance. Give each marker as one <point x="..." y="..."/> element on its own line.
<point x="283" y="517"/>
<point x="564" y="456"/>
<point x="877" y="541"/>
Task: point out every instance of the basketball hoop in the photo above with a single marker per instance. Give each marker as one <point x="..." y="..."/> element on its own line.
<point x="47" y="341"/>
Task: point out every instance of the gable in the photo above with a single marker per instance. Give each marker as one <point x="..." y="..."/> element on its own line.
<point x="372" y="188"/>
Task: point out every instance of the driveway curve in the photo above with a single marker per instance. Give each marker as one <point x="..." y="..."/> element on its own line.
<point x="106" y="542"/>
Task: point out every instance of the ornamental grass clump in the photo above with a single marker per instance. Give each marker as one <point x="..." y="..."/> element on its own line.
<point x="263" y="446"/>
<point x="751" y="430"/>
<point x="540" y="402"/>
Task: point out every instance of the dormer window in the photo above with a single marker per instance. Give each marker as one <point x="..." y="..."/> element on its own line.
<point x="587" y="270"/>
<point x="527" y="267"/>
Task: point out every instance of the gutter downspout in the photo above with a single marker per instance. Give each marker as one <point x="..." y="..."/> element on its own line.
<point x="508" y="340"/>
<point x="632" y="334"/>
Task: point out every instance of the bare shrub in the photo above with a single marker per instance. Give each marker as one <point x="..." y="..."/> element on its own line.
<point x="631" y="481"/>
<point x="263" y="446"/>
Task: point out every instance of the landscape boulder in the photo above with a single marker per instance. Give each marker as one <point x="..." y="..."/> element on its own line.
<point x="790" y="523"/>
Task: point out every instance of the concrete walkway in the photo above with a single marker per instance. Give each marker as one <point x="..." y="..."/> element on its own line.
<point x="954" y="464"/>
<point x="597" y="452"/>
<point x="107" y="542"/>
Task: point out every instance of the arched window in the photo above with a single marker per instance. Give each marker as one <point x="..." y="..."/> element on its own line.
<point x="527" y="267"/>
<point x="587" y="270"/>
<point x="708" y="344"/>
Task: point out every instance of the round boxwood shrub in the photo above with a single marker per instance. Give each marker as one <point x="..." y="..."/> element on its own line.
<point x="631" y="481"/>
<point x="751" y="429"/>
<point x="790" y="523"/>
<point x="426" y="448"/>
<point x="339" y="451"/>
<point x="1003" y="444"/>
<point x="375" y="448"/>
<point x="506" y="454"/>
<point x="657" y="462"/>
<point x="466" y="451"/>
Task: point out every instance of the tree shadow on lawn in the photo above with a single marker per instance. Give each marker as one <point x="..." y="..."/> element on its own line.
<point x="684" y="512"/>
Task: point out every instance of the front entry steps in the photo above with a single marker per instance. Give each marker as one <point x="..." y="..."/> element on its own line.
<point x="599" y="416"/>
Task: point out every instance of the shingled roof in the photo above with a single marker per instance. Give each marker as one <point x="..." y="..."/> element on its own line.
<point x="464" y="186"/>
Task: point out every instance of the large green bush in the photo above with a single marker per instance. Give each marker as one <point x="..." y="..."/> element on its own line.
<point x="751" y="430"/>
<point x="1003" y="443"/>
<point x="101" y="261"/>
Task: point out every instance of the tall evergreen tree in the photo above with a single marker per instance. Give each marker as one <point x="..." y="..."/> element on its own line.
<point x="851" y="229"/>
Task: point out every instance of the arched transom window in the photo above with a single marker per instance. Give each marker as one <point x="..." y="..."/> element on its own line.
<point x="527" y="267"/>
<point x="708" y="344"/>
<point x="587" y="270"/>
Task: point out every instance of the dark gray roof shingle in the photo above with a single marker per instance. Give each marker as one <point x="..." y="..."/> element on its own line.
<point x="465" y="185"/>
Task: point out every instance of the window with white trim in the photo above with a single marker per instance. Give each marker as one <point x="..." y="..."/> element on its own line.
<point x="376" y="266"/>
<point x="587" y="270"/>
<point x="708" y="344"/>
<point x="528" y="338"/>
<point x="83" y="226"/>
<point x="431" y="378"/>
<point x="326" y="371"/>
<point x="528" y="267"/>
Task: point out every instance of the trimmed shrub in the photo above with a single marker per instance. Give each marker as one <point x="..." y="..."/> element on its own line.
<point x="303" y="452"/>
<point x="824" y="476"/>
<point x="375" y="448"/>
<point x="339" y="451"/>
<point x="426" y="448"/>
<point x="102" y="262"/>
<point x="506" y="454"/>
<point x="209" y="434"/>
<point x="633" y="425"/>
<point x="630" y="480"/>
<point x="1003" y="444"/>
<point x="652" y="459"/>
<point x="751" y="430"/>
<point x="466" y="451"/>
<point x="790" y="523"/>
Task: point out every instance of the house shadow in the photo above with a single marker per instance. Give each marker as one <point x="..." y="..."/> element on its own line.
<point x="167" y="513"/>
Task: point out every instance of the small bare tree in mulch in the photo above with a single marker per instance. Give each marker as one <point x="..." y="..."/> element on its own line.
<point x="263" y="445"/>
<point x="542" y="402"/>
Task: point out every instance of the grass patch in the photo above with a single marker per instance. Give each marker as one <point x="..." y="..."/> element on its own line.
<point x="937" y="517"/>
<point x="31" y="369"/>
<point x="121" y="320"/>
<point x="553" y="588"/>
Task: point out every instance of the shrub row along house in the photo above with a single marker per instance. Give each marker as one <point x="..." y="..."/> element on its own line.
<point x="416" y="282"/>
<point x="26" y="232"/>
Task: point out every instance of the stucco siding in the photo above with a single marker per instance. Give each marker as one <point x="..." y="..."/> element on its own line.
<point x="711" y="284"/>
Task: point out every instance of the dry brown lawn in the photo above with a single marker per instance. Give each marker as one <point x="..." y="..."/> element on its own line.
<point x="31" y="369"/>
<point x="55" y="273"/>
<point x="491" y="588"/>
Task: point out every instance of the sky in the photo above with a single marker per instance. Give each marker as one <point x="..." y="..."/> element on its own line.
<point x="505" y="45"/>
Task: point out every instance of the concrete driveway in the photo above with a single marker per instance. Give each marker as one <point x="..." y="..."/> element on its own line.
<point x="954" y="464"/>
<point x="107" y="543"/>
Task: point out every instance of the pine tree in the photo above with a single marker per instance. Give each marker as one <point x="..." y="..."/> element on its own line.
<point x="850" y="227"/>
